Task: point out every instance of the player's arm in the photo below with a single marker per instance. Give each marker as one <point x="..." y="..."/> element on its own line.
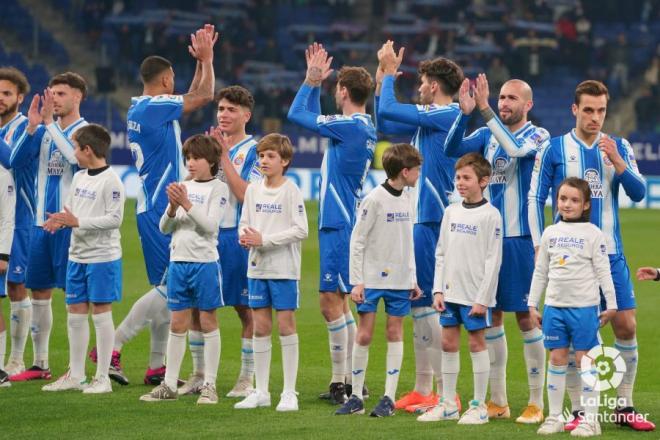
<point x="601" y="264"/>
<point x="440" y="252"/>
<point x="7" y="215"/>
<point x="113" y="196"/>
<point x="297" y="230"/>
<point x="26" y="147"/>
<point x="457" y="144"/>
<point x="5" y="154"/>
<point x="368" y="214"/>
<point x="201" y="48"/>
<point x="61" y="141"/>
<point x="488" y="287"/>
<point x="246" y="216"/>
<point x="631" y="179"/>
<point x="538" y="191"/>
<point x="209" y="221"/>
<point x="383" y="125"/>
<point x="539" y="281"/>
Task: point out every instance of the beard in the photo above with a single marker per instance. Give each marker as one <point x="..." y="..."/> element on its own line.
<point x="10" y="110"/>
<point x="513" y="118"/>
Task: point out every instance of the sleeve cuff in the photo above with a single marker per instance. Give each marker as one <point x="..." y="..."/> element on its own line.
<point x="4" y="257"/>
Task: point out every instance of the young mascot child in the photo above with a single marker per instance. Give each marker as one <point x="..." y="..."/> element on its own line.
<point x="94" y="209"/>
<point x="382" y="265"/>
<point x="194" y="278"/>
<point x="468" y="260"/>
<point x="572" y="268"/>
<point x="273" y="224"/>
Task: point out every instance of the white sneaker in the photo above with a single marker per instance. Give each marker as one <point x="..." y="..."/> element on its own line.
<point x="14" y="366"/>
<point x="477" y="414"/>
<point x="208" y="395"/>
<point x="193" y="385"/>
<point x="99" y="385"/>
<point x="445" y="410"/>
<point x="552" y="425"/>
<point x="288" y="401"/>
<point x="242" y="388"/>
<point x="65" y="383"/>
<point x="586" y="429"/>
<point x="254" y="400"/>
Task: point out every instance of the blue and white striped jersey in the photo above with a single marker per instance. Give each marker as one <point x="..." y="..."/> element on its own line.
<point x="52" y="149"/>
<point x="430" y="125"/>
<point x="567" y="156"/>
<point x="345" y="162"/>
<point x="512" y="161"/>
<point x="244" y="157"/>
<point x="23" y="175"/>
<point x="154" y="137"/>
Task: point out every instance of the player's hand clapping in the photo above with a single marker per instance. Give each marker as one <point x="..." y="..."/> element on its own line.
<point x="318" y="65"/>
<point x="481" y="92"/>
<point x="465" y="99"/>
<point x="250" y="238"/>
<point x="59" y="220"/>
<point x="178" y="196"/>
<point x="388" y="60"/>
<point x="201" y="45"/>
<point x="34" y="115"/>
<point x="608" y="146"/>
<point x="47" y="107"/>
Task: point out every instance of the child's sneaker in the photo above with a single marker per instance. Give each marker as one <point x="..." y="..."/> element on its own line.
<point x="32" y="373"/>
<point x="385" y="408"/>
<point x="337" y="393"/>
<point x="552" y="425"/>
<point x="14" y="366"/>
<point x="115" y="371"/>
<point x="410" y="399"/>
<point x="498" y="412"/>
<point x="445" y="410"/>
<point x="578" y="416"/>
<point x="161" y="393"/>
<point x="255" y="399"/>
<point x="242" y="388"/>
<point x="586" y="429"/>
<point x="4" y="379"/>
<point x="428" y="403"/>
<point x="65" y="383"/>
<point x="99" y="385"/>
<point x="154" y="376"/>
<point x="354" y="405"/>
<point x="193" y="385"/>
<point x="628" y="416"/>
<point x="531" y="415"/>
<point x="208" y="395"/>
<point x="476" y="414"/>
<point x="288" y="401"/>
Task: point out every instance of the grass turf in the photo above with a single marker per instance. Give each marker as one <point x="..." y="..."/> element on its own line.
<point x="30" y="413"/>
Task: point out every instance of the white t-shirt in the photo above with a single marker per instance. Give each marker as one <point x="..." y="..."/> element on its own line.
<point x="98" y="202"/>
<point x="468" y="254"/>
<point x="382" y="254"/>
<point x="279" y="215"/>
<point x="7" y="210"/>
<point x="195" y="233"/>
<point x="572" y="266"/>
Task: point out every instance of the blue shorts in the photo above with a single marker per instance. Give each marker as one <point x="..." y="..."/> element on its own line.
<point x="194" y="286"/>
<point x="623" y="287"/>
<point x="93" y="282"/>
<point x="425" y="239"/>
<point x="18" y="260"/>
<point x="457" y="314"/>
<point x="233" y="259"/>
<point x="515" y="276"/>
<point x="334" y="250"/>
<point x="564" y="326"/>
<point x="48" y="258"/>
<point x="155" y="246"/>
<point x="278" y="294"/>
<point x="397" y="302"/>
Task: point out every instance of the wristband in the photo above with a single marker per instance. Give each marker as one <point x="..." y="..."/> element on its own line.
<point x="657" y="274"/>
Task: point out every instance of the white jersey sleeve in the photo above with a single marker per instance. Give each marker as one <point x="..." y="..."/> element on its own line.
<point x="602" y="269"/>
<point x="493" y="260"/>
<point x="540" y="276"/>
<point x="7" y="210"/>
<point x="366" y="219"/>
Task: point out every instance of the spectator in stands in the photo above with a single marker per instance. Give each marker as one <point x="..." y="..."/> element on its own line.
<point x="618" y="61"/>
<point x="497" y="74"/>
<point x="646" y="109"/>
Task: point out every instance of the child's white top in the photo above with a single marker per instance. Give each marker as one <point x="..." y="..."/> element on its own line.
<point x="97" y="200"/>
<point x="469" y="254"/>
<point x="572" y="266"/>
<point x="382" y="254"/>
<point x="279" y="215"/>
<point x="7" y="210"/>
<point x="195" y="233"/>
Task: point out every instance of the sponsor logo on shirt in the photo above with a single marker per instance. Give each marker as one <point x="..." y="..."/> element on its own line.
<point x="196" y="198"/>
<point x="301" y="209"/>
<point x="269" y="208"/>
<point x="385" y="273"/>
<point x="537" y="138"/>
<point x="591" y="175"/>
<point x="464" y="228"/>
<point x="498" y="232"/>
<point x="403" y="216"/>
<point x="115" y="195"/>
<point x="10" y="189"/>
<point x="603" y="249"/>
<point x="223" y="201"/>
<point x="572" y="158"/>
<point x="499" y="171"/>
<point x="56" y="164"/>
<point x="85" y="193"/>
<point x="567" y="243"/>
<point x="563" y="259"/>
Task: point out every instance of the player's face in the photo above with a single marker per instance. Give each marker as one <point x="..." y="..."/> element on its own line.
<point x="410" y="176"/>
<point x="340" y="94"/>
<point x="9" y="98"/>
<point x="65" y="99"/>
<point x="511" y="104"/>
<point x="232" y="118"/>
<point x="80" y="154"/>
<point x="168" y="81"/>
<point x="198" y="168"/>
<point x="590" y="114"/>
<point x="271" y="163"/>
<point x="425" y="91"/>
<point x="570" y="203"/>
<point x="468" y="184"/>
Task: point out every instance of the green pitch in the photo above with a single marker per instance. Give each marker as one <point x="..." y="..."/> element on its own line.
<point x="27" y="412"/>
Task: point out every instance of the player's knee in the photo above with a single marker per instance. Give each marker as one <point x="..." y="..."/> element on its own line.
<point x="498" y="318"/>
<point x="524" y="321"/>
<point x="363" y="338"/>
<point x="332" y="306"/>
<point x="16" y="292"/>
<point x="625" y="325"/>
<point x="208" y="321"/>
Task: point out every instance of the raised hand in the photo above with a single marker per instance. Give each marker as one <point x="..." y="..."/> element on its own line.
<point x="465" y="99"/>
<point x="210" y="29"/>
<point x="481" y="92"/>
<point x="219" y="136"/>
<point x="34" y="115"/>
<point x="318" y="65"/>
<point x="47" y="107"/>
<point x="250" y="238"/>
<point x="388" y="60"/>
<point x="201" y="45"/>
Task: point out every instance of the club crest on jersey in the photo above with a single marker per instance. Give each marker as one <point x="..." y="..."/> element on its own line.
<point x="238" y="160"/>
<point x="593" y="178"/>
<point x="563" y="259"/>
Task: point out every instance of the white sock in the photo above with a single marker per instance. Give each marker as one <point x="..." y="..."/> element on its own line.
<point x="338" y="338"/>
<point x="360" y="361"/>
<point x="211" y="356"/>
<point x="78" y="330"/>
<point x="262" y="354"/>
<point x="498" y="354"/>
<point x="589" y="395"/>
<point x="196" y="346"/>
<point x="434" y="350"/>
<point x="290" y="361"/>
<point x="480" y="372"/>
<point x="42" y="323"/>
<point x="145" y="309"/>
<point x="176" y="349"/>
<point x="628" y="349"/>
<point x="3" y="348"/>
<point x="247" y="359"/>
<point x="451" y="365"/>
<point x="19" y="326"/>
<point x="393" y="368"/>
<point x="160" y="330"/>
<point x="422" y="339"/>
<point x="105" y="338"/>
<point x="573" y="384"/>
<point x="556" y="387"/>
<point x="534" y="353"/>
<point x="351" y="330"/>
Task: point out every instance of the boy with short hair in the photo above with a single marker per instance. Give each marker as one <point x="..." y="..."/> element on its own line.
<point x="382" y="265"/>
<point x="273" y="224"/>
<point x="194" y="278"/>
<point x="468" y="260"/>
<point x="94" y="209"/>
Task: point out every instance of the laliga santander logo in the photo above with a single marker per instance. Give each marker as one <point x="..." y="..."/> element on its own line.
<point x="606" y="365"/>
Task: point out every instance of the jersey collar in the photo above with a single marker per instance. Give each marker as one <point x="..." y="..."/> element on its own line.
<point x="8" y="124"/>
<point x="233" y="150"/>
<point x="582" y="144"/>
